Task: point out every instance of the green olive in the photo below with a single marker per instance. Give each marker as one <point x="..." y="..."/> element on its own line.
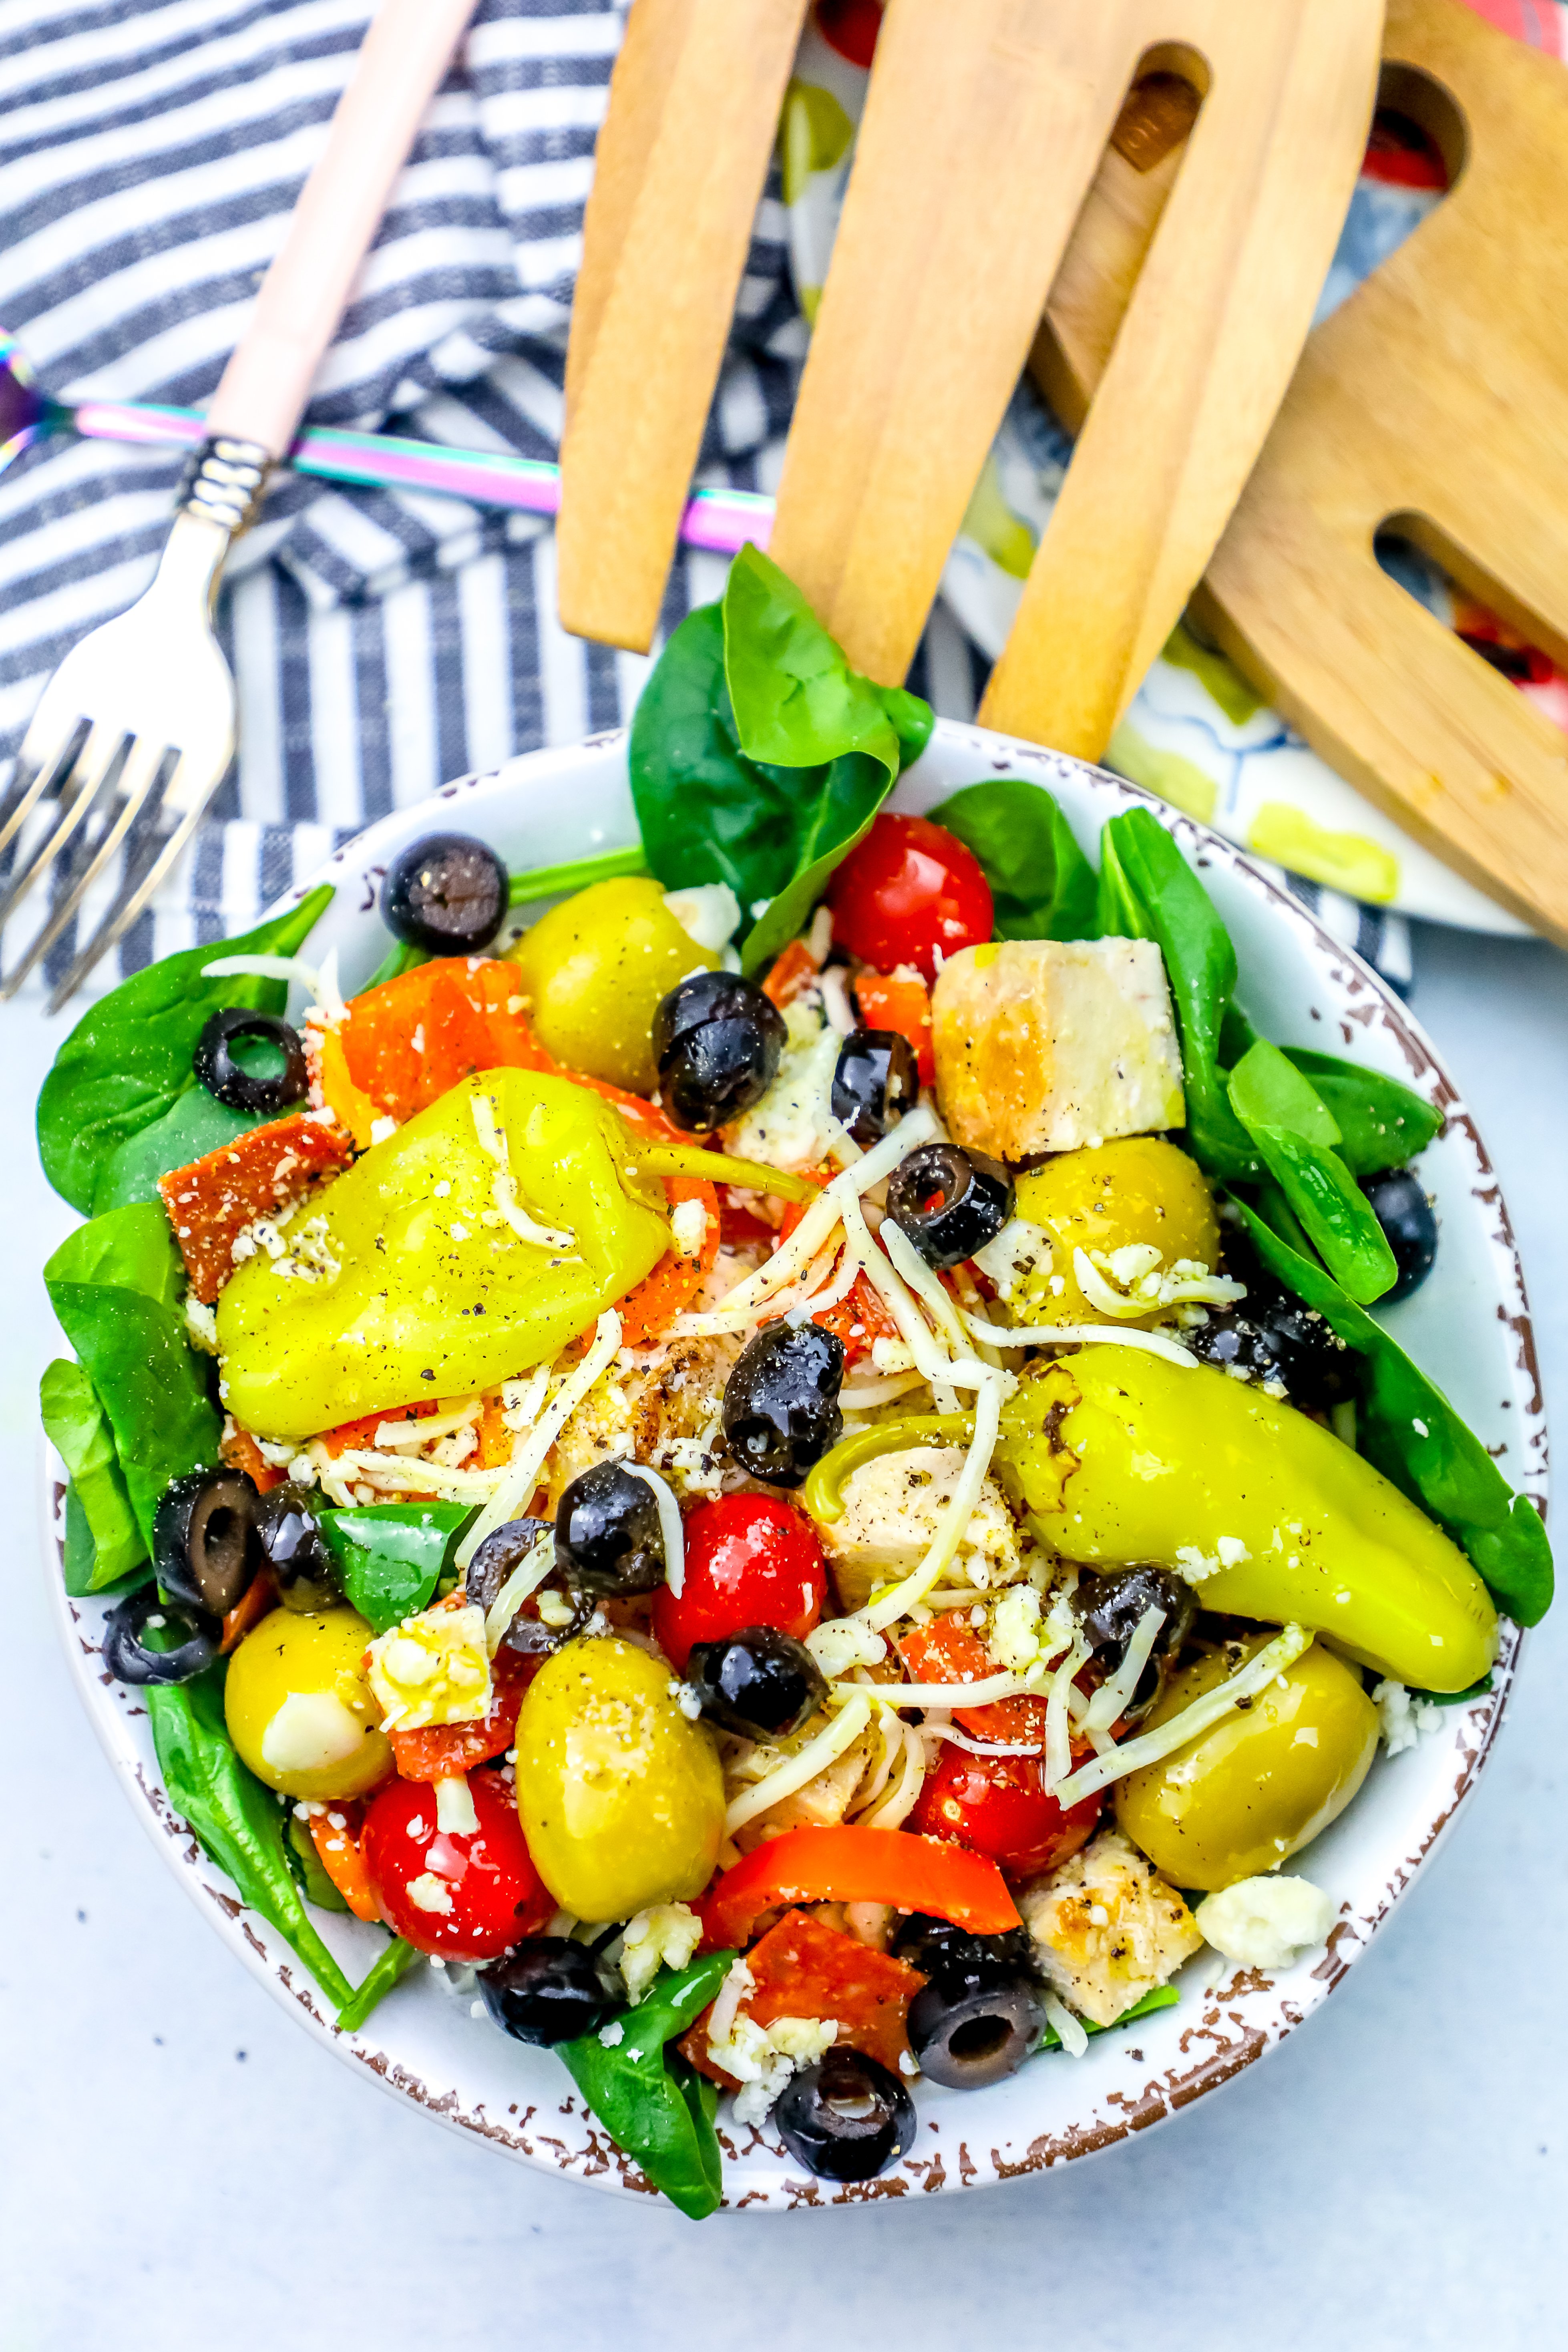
<point x="299" y="1709"/>
<point x="1262" y="1782"/>
<point x="621" y="1797"/>
<point x="594" y="971"/>
<point x="1102" y="1198"/>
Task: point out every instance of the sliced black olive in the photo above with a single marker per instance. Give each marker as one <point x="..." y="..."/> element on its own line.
<point x="932" y="1944"/>
<point x="717" y="1040"/>
<point x="950" y="1203"/>
<point x="550" y="1990"/>
<point x="846" y="2118"/>
<point x="502" y="1552"/>
<point x="130" y="1659"/>
<point x="1409" y="1227"/>
<point x="220" y="1069"/>
<point x="1109" y="1609"/>
<point x="1271" y="1338"/>
<point x="967" y="2034"/>
<point x="295" y="1549"/>
<point x="876" y="1082"/>
<point x="447" y="893"/>
<point x="760" y="1681"/>
<point x="205" y="1548"/>
<point x="781" y="1401"/>
<point x="608" y="1538"/>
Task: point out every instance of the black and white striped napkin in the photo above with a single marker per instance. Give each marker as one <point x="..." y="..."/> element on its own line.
<point x="150" y="154"/>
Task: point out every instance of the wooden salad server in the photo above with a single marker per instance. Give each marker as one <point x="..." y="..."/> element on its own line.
<point x="983" y="130"/>
<point x="681" y="159"/>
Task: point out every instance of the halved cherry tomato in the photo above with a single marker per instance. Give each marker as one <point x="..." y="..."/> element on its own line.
<point x="338" y="1849"/>
<point x="856" y="1865"/>
<point x="440" y="1750"/>
<point x="902" y="1001"/>
<point x="908" y="890"/>
<point x="750" y="1559"/>
<point x="802" y="1968"/>
<point x="469" y="1897"/>
<point x="412" y="1039"/>
<point x="266" y="1170"/>
<point x="674" y="1281"/>
<point x="997" y="1805"/>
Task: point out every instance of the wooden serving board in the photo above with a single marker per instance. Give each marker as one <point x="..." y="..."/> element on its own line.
<point x="983" y="132"/>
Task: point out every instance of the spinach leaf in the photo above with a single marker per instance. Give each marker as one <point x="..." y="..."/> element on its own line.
<point x="236" y="1821"/>
<point x="575" y="874"/>
<point x="75" y="1425"/>
<point x="390" y="1555"/>
<point x="641" y="2094"/>
<point x="192" y="1125"/>
<point x="1409" y="1430"/>
<point x="129" y="1058"/>
<point x="1382" y="1124"/>
<point x="395" y="1963"/>
<point x="114" y="1285"/>
<point x="305" y="1865"/>
<point x="758" y="757"/>
<point x="1161" y="1997"/>
<point x="1042" y="885"/>
<point x="1296" y="1134"/>
<point x="1148" y="892"/>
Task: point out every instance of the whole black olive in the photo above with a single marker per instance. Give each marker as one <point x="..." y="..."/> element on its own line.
<point x="550" y="1990"/>
<point x="220" y="1071"/>
<point x="1109" y="1608"/>
<point x="447" y="893"/>
<point x="130" y="1659"/>
<point x="759" y="1682"/>
<point x="717" y="1040"/>
<point x="877" y="1081"/>
<point x="1271" y="1338"/>
<point x="608" y="1538"/>
<point x="205" y="1548"/>
<point x="933" y="1945"/>
<point x="295" y="1549"/>
<point x="950" y="1203"/>
<point x="968" y="2031"/>
<point x="781" y="1401"/>
<point x="502" y="1552"/>
<point x="1409" y="1227"/>
<point x="846" y="2117"/>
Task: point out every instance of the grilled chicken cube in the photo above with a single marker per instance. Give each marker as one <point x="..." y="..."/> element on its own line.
<point x="892" y="1509"/>
<point x="1107" y="1928"/>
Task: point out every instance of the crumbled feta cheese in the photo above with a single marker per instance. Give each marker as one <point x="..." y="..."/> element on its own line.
<point x="433" y="1668"/>
<point x="1015" y="1640"/>
<point x="1265" y="1923"/>
<point x="1403" y="1720"/>
<point x="382" y="1130"/>
<point x="840" y="1643"/>
<point x="455" y="1813"/>
<point x="709" y="913"/>
<point x="614" y="2034"/>
<point x="762" y="2058"/>
<point x="201" y="1325"/>
<point x="1020" y="1256"/>
<point x="793" y="1125"/>
<point x="556" y="1611"/>
<point x="687" y="1228"/>
<point x="685" y="1699"/>
<point x="664" y="1935"/>
<point x="1194" y="1564"/>
<point x="429" y="1893"/>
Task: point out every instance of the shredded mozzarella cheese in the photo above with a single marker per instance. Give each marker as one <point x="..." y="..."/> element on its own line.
<point x="522" y="1474"/>
<point x="1152" y="1745"/>
<point x="669" y="1526"/>
<point x="526" y="1578"/>
<point x="796" y="1770"/>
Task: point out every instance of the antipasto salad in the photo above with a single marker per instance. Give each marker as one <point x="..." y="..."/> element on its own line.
<point x="783" y="1469"/>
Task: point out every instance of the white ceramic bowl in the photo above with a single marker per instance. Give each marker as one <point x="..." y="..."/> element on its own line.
<point x="1467" y="1326"/>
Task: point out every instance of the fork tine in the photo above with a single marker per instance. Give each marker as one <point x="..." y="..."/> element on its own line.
<point x="134" y="897"/>
<point x="99" y="756"/>
<point x="51" y="765"/>
<point x="143" y="762"/>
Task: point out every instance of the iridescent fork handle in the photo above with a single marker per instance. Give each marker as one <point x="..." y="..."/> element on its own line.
<point x="718" y="521"/>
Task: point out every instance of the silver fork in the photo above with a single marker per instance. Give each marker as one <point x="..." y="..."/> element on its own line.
<point x="140" y="717"/>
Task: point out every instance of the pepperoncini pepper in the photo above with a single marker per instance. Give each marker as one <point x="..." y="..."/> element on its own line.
<point x="479" y="1239"/>
<point x="1117" y="1455"/>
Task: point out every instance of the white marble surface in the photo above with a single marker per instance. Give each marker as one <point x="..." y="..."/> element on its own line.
<point x="178" y="2165"/>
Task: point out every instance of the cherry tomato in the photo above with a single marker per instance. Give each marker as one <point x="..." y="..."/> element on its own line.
<point x="851" y="27"/>
<point x="996" y="1805"/>
<point x="469" y="1897"/>
<point x="750" y="1559"/>
<point x="909" y="889"/>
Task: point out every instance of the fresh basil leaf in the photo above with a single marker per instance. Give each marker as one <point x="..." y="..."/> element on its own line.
<point x="192" y="1125"/>
<point x="75" y="1427"/>
<point x="305" y="1865"/>
<point x="1409" y="1430"/>
<point x="390" y="1556"/>
<point x="115" y="1285"/>
<point x="1382" y="1124"/>
<point x="641" y="2098"/>
<point x="128" y="1059"/>
<point x="236" y="1820"/>
<point x="1294" y="1133"/>
<point x="393" y="1964"/>
<point x="1042" y="885"/>
<point x="1148" y="892"/>
<point x="1161" y="1997"/>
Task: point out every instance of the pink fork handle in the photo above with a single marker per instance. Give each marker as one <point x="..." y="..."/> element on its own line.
<point x="401" y="62"/>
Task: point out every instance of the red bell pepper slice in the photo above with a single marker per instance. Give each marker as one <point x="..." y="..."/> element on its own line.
<point x="410" y="1041"/>
<point x="857" y="1866"/>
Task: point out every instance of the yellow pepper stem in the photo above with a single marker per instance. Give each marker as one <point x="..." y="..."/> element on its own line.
<point x="687" y="1160"/>
<point x="823" y="1494"/>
